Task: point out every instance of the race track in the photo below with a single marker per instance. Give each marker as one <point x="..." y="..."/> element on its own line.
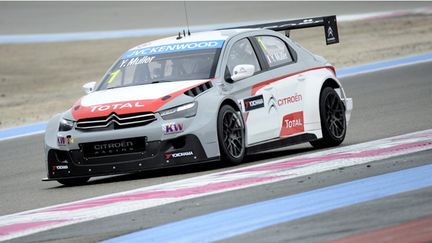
<point x="386" y="103"/>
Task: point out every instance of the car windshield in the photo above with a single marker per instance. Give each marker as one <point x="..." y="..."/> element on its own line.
<point x="177" y="62"/>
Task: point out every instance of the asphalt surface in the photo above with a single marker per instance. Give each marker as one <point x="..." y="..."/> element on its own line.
<point x="322" y="227"/>
<point x="17" y="18"/>
<point x="386" y="103"/>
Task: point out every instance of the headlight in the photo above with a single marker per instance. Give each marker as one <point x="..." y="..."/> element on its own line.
<point x="65" y="125"/>
<point x="187" y="110"/>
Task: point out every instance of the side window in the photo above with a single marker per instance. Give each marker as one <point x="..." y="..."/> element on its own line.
<point x="242" y="53"/>
<point x="275" y="50"/>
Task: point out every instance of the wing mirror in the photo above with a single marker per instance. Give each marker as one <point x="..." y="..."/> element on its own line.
<point x="89" y="87"/>
<point x="242" y="71"/>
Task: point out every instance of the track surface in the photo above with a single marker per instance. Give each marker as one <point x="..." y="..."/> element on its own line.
<point x="59" y="17"/>
<point x="387" y="103"/>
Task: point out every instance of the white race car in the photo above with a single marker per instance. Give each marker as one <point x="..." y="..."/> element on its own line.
<point x="214" y="95"/>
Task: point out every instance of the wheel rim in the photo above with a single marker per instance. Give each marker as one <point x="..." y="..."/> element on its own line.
<point x="335" y="116"/>
<point x="233" y="134"/>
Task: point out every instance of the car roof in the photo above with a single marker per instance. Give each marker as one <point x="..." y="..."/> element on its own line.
<point x="218" y="35"/>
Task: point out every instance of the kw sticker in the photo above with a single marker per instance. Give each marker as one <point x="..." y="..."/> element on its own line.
<point x="65" y="140"/>
<point x="171" y="128"/>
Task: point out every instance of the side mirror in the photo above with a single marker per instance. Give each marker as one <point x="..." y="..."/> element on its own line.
<point x="89" y="87"/>
<point x="242" y="71"/>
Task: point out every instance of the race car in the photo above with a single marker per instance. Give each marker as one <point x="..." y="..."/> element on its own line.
<point x="193" y="98"/>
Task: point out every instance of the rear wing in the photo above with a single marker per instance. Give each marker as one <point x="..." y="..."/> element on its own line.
<point x="329" y="23"/>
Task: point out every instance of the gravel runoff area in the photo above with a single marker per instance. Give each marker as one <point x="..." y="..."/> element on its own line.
<point x="40" y="80"/>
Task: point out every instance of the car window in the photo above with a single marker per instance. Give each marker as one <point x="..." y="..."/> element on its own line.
<point x="242" y="53"/>
<point x="167" y="63"/>
<point x="275" y="50"/>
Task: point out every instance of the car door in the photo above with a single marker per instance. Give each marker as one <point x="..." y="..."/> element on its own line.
<point x="258" y="104"/>
<point x="288" y="85"/>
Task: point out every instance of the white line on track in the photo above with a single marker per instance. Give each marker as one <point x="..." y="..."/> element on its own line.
<point x="38" y="220"/>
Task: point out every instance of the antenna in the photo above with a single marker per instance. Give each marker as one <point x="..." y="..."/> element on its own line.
<point x="187" y="17"/>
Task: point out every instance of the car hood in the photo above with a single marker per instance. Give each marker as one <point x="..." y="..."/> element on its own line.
<point x="132" y="99"/>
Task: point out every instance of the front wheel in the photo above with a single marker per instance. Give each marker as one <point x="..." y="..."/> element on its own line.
<point x="231" y="135"/>
<point x="333" y="120"/>
<point x="74" y="181"/>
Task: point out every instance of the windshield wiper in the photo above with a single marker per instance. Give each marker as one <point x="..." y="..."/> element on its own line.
<point x="122" y="86"/>
<point x="160" y="81"/>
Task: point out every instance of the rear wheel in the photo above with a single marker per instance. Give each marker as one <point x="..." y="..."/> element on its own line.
<point x="74" y="181"/>
<point x="333" y="120"/>
<point x="231" y="135"/>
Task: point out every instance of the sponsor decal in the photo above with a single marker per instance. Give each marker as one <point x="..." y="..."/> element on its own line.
<point x="171" y="128"/>
<point x="272" y="104"/>
<point x="136" y="61"/>
<point x="60" y="167"/>
<point x="292" y="124"/>
<point x="171" y="48"/>
<point x="115" y="147"/>
<point x="253" y="103"/>
<point x="330" y="33"/>
<point x="179" y="155"/>
<point x="290" y="99"/>
<point x="65" y="140"/>
<point x="330" y="29"/>
<point x="121" y="107"/>
<point x="117" y="106"/>
<point x="273" y="51"/>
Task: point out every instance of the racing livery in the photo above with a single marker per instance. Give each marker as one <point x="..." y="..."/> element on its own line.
<point x="214" y="95"/>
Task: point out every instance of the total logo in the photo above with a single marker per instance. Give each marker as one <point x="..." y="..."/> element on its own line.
<point x="171" y="128"/>
<point x="179" y="155"/>
<point x="118" y="106"/>
<point x="65" y="140"/>
<point x="292" y="124"/>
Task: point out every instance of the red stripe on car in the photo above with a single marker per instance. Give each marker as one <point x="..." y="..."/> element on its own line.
<point x="125" y="107"/>
<point x="259" y="86"/>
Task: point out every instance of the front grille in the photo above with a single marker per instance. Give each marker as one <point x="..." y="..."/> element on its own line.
<point x="113" y="147"/>
<point x="115" y="121"/>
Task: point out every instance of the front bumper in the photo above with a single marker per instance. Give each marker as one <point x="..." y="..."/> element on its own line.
<point x="179" y="151"/>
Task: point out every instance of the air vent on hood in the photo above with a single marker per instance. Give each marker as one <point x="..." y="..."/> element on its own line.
<point x="199" y="89"/>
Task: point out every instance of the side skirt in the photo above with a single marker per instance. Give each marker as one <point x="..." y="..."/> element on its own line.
<point x="302" y="138"/>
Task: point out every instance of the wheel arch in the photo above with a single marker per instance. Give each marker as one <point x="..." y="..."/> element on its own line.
<point x="313" y="91"/>
<point x="330" y="82"/>
<point x="230" y="102"/>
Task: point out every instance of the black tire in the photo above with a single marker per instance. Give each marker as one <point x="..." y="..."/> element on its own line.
<point x="231" y="135"/>
<point x="74" y="181"/>
<point x="333" y="120"/>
